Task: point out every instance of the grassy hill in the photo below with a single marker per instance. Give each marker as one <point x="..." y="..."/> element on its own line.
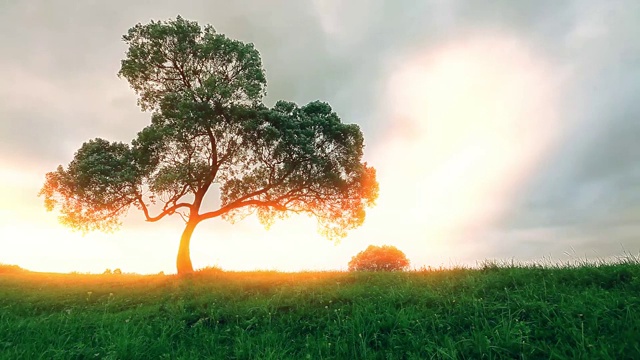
<point x="585" y="312"/>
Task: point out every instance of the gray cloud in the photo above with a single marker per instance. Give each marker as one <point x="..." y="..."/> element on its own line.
<point x="588" y="191"/>
<point x="60" y="58"/>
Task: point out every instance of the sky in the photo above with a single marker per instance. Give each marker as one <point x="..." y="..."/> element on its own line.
<point x="502" y="130"/>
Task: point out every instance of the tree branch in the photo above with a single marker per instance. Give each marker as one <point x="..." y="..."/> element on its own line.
<point x="239" y="204"/>
<point x="167" y="211"/>
<point x="214" y="157"/>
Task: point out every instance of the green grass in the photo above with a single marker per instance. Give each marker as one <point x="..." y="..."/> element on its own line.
<point x="497" y="312"/>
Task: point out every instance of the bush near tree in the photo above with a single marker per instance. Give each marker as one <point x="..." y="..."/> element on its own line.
<point x="379" y="258"/>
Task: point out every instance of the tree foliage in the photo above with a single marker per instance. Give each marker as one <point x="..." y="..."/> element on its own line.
<point x="209" y="126"/>
<point x="379" y="258"/>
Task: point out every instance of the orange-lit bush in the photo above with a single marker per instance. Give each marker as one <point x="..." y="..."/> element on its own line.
<point x="114" y="272"/>
<point x="379" y="258"/>
<point x="6" y="269"/>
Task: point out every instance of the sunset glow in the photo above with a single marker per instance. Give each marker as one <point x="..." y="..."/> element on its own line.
<point x="468" y="122"/>
<point x="319" y="179"/>
<point x="472" y="120"/>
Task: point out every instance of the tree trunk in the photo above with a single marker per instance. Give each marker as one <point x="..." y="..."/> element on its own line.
<point x="183" y="262"/>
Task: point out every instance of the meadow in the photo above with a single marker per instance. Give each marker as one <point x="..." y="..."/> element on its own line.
<point x="587" y="311"/>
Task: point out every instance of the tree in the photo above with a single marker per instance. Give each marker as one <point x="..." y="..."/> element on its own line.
<point x="379" y="258"/>
<point x="210" y="131"/>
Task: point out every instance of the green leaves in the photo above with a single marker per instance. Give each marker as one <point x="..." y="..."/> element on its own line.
<point x="209" y="126"/>
<point x="304" y="160"/>
<point x="96" y="188"/>
<point x="192" y="79"/>
<point x="179" y="58"/>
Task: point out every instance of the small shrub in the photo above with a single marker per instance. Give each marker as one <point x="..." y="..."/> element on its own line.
<point x="379" y="258"/>
<point x="210" y="270"/>
<point x="6" y="269"/>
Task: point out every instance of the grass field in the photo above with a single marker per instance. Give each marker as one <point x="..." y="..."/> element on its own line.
<point x="497" y="312"/>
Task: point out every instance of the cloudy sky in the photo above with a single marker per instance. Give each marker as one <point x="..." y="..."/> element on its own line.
<point x="499" y="129"/>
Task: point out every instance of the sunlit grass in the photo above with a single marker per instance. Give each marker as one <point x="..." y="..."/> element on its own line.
<point x="587" y="311"/>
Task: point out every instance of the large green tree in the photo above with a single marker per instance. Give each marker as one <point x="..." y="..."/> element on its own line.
<point x="210" y="131"/>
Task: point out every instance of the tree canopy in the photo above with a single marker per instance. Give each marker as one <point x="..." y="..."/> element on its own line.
<point x="209" y="126"/>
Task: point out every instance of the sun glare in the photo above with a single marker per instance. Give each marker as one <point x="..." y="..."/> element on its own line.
<point x="470" y="121"/>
